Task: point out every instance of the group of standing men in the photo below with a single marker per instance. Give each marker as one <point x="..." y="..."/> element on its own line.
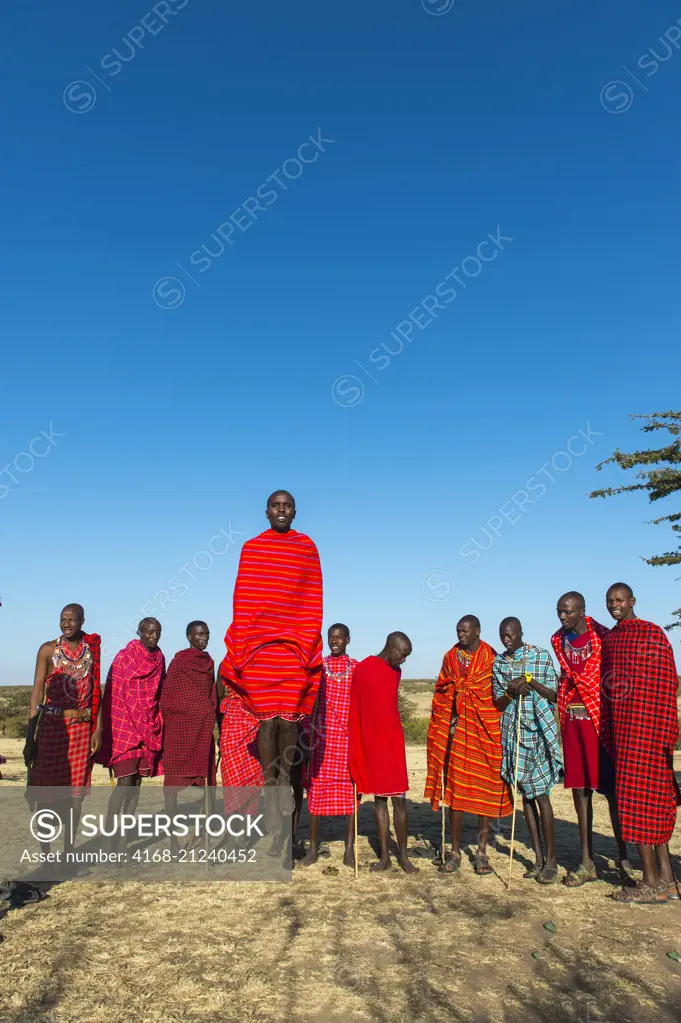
<point x="493" y="726"/>
<point x="278" y="702"/>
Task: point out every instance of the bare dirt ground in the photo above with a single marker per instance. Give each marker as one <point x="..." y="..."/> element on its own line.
<point x="329" y="948"/>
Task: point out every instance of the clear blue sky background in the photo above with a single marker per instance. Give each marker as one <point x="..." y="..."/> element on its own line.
<point x="179" y="421"/>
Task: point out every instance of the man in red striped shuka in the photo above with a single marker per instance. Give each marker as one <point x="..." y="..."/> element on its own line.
<point x="65" y="722"/>
<point x="642" y="725"/>
<point x="274" y="644"/>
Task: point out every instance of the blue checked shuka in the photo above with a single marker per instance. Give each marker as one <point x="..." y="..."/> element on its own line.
<point x="540" y="762"/>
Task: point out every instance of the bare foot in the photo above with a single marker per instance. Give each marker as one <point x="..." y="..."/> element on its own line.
<point x="380" y="865"/>
<point x="407" y="866"/>
<point x="349" y="857"/>
<point x="310" y="857"/>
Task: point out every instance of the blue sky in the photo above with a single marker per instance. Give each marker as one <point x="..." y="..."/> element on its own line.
<point x="172" y="411"/>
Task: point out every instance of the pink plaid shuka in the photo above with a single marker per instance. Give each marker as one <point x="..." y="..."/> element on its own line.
<point x="132" y="726"/>
<point x="331" y="792"/>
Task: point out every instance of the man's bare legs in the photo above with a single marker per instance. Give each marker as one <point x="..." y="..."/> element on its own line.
<point x="626" y="875"/>
<point x="538" y="810"/>
<point x="69" y="812"/>
<point x="383" y="830"/>
<point x="453" y="860"/>
<point x="313" y="852"/>
<point x="586" y="871"/>
<point x="532" y="821"/>
<point x="298" y="792"/>
<point x="583" y="800"/>
<point x="124" y="799"/>
<point x="277" y="747"/>
<point x="657" y="869"/>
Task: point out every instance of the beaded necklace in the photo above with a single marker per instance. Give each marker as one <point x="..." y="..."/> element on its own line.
<point x="76" y="665"/>
<point x="338" y="676"/>
<point x="578" y="653"/>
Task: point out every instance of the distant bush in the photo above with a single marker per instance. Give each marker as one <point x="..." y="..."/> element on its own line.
<point x="416" y="731"/>
<point x="405" y="706"/>
<point x="14" y="703"/>
<point x="13" y="727"/>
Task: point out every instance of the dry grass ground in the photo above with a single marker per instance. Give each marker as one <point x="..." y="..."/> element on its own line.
<point x="329" y="948"/>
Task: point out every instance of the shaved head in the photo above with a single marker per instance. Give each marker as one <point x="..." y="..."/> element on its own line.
<point x="470" y="620"/>
<point x="573" y="595"/>
<point x="621" y="586"/>
<point x="396" y="650"/>
<point x="398" y="637"/>
<point x="571" y="611"/>
<point x="77" y="608"/>
<point x="511" y="620"/>
<point x="281" y="493"/>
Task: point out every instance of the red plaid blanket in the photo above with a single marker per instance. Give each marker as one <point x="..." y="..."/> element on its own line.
<point x="331" y="792"/>
<point x="640" y="703"/>
<point x="131" y="718"/>
<point x="188" y="708"/>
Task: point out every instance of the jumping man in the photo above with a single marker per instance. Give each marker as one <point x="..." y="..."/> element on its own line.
<point x="274" y="644"/>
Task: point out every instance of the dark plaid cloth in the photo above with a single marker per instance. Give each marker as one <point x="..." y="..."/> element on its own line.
<point x="188" y="709"/>
<point x="640" y="684"/>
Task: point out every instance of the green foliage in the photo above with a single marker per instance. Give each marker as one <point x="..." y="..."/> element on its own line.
<point x="14" y="703"/>
<point x="405" y="706"/>
<point x="660" y="478"/>
<point x="415" y="729"/>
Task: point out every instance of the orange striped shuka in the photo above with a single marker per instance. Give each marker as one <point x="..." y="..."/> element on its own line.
<point x="274" y="644"/>
<point x="471" y="759"/>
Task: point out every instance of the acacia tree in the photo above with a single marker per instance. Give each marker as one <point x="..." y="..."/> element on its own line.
<point x="659" y="475"/>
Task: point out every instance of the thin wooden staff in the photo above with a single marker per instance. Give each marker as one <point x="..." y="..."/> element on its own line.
<point x="355" y="849"/>
<point x="515" y="791"/>
<point x="442" y="806"/>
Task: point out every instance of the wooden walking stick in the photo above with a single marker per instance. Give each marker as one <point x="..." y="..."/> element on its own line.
<point x="442" y="807"/>
<point x="515" y="791"/>
<point x="354" y="845"/>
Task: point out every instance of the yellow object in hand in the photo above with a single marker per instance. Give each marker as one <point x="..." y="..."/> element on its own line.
<point x="528" y="677"/>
